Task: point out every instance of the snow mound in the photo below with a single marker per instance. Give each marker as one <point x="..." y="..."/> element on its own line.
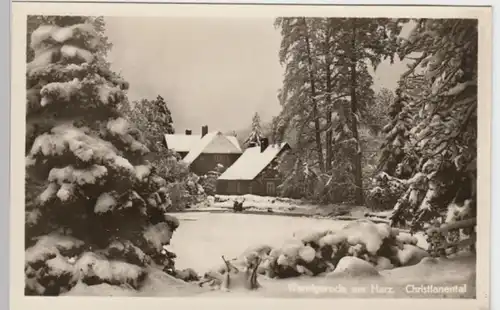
<point x="407" y="238"/>
<point x="367" y="233"/>
<point x="383" y="263"/>
<point x="312" y="236"/>
<point x="331" y="239"/>
<point x="411" y="255"/>
<point x="354" y="267"/>
<point x="307" y="254"/>
<point x="95" y="269"/>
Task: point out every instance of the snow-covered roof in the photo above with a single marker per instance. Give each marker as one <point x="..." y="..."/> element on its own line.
<point x="181" y="142"/>
<point x="234" y="140"/>
<point x="184" y="143"/>
<point x="252" y="162"/>
<point x="213" y="143"/>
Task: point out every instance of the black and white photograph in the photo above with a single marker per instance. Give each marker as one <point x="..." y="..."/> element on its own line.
<point x="276" y="156"/>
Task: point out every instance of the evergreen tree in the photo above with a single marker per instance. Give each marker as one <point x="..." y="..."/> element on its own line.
<point x="326" y="91"/>
<point x="395" y="154"/>
<point x="100" y="214"/>
<point x="256" y="135"/>
<point x="299" y="94"/>
<point x="376" y="116"/>
<point x="154" y="119"/>
<point x="363" y="40"/>
<point x="444" y="126"/>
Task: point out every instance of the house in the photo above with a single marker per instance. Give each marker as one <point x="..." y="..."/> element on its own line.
<point x="254" y="172"/>
<point x="204" y="152"/>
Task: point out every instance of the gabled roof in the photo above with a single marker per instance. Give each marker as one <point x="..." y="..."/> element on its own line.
<point x="252" y="162"/>
<point x="184" y="143"/>
<point x="181" y="142"/>
<point x="213" y="143"/>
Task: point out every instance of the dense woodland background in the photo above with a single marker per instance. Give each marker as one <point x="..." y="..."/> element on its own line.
<point x="99" y="182"/>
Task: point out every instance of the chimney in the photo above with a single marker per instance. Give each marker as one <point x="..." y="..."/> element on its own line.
<point x="204" y="130"/>
<point x="188" y="132"/>
<point x="264" y="142"/>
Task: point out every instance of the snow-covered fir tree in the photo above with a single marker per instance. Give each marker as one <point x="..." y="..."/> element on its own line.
<point x="442" y="115"/>
<point x="326" y="89"/>
<point x="362" y="42"/>
<point x="164" y="115"/>
<point x="98" y="216"/>
<point x="375" y="115"/>
<point x="154" y="119"/>
<point x="255" y="137"/>
<point x="398" y="157"/>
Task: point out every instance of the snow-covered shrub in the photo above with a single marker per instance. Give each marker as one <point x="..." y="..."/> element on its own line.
<point x="209" y="180"/>
<point x="154" y="119"/>
<point x="385" y="192"/>
<point x="49" y="268"/>
<point x="360" y="248"/>
<point x="96" y="213"/>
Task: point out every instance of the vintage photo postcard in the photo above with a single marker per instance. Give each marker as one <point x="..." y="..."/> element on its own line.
<point x="250" y="156"/>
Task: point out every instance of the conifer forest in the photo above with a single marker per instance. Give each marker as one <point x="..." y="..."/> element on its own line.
<point x="381" y="182"/>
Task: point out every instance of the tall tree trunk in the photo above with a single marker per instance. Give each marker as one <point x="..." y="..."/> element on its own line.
<point x="358" y="174"/>
<point x="317" y="129"/>
<point x="329" y="103"/>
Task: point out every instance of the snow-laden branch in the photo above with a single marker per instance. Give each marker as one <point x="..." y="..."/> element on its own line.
<point x="468" y="223"/>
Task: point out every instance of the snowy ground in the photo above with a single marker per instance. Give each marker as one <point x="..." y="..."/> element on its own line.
<point x="397" y="283"/>
<point x="280" y="206"/>
<point x="203" y="237"/>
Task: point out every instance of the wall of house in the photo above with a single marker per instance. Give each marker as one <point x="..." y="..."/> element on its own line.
<point x="260" y="187"/>
<point x="234" y="187"/>
<point x="207" y="162"/>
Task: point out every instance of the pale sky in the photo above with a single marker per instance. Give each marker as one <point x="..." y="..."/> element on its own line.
<point x="215" y="72"/>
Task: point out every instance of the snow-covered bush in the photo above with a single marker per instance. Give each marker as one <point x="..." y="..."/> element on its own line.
<point x="377" y="246"/>
<point x="385" y="192"/>
<point x="154" y="119"/>
<point x="209" y="180"/>
<point x="99" y="214"/>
